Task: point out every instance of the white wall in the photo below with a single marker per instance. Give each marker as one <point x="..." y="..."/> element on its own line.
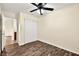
<point x="9" y="14"/>
<point x="9" y="28"/>
<point x="61" y="28"/>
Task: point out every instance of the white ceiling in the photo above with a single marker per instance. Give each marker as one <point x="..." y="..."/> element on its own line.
<point x="26" y="7"/>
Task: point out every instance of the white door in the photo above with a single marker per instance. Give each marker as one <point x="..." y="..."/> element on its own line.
<point x="30" y="31"/>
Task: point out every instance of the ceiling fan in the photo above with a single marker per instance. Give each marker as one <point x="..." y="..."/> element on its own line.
<point x="40" y="6"/>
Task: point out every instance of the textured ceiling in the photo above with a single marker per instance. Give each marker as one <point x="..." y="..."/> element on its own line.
<point x="26" y="7"/>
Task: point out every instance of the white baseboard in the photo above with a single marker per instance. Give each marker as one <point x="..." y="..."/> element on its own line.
<point x="60" y="47"/>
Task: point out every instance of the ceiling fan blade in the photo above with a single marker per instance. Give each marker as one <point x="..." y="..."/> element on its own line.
<point x="39" y="4"/>
<point x="40" y="12"/>
<point x="45" y="8"/>
<point x="34" y="4"/>
<point x="33" y="10"/>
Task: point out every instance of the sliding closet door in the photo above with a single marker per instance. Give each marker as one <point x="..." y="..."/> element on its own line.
<point x="30" y="30"/>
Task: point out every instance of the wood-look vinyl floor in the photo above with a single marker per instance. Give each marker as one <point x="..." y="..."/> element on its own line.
<point x="36" y="48"/>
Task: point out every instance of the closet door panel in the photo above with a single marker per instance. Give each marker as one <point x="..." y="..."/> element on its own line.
<point x="30" y="31"/>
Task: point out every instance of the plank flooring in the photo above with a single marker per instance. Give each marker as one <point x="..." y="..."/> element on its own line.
<point x="0" y="52"/>
<point x="36" y="48"/>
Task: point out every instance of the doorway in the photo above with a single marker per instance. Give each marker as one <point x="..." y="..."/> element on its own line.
<point x="9" y="29"/>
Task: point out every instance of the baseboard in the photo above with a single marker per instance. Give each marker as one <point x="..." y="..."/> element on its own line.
<point x="60" y="47"/>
